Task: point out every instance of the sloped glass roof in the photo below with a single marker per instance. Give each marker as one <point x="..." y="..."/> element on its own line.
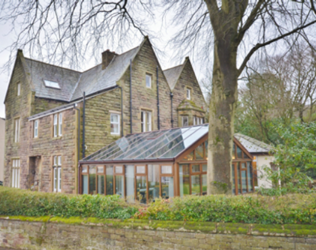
<point x="161" y="144"/>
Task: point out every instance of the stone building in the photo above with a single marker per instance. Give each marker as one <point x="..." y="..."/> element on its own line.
<point x="2" y="132"/>
<point x="56" y="116"/>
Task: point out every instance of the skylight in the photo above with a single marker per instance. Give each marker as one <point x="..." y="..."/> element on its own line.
<point x="51" y="84"/>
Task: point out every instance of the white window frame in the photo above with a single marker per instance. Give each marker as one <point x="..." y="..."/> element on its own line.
<point x="15" y="180"/>
<point x="182" y="118"/>
<point x="188" y="94"/>
<point x="18" y="89"/>
<point x="58" y="125"/>
<point x="36" y="129"/>
<point x="148" y="76"/>
<point x="115" y="123"/>
<point x="146" y="124"/>
<point x="17" y="130"/>
<point x="57" y="173"/>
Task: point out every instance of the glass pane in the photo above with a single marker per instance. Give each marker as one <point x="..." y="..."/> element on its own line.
<point x="100" y="169"/>
<point x="92" y="180"/>
<point x="239" y="154"/>
<point x="249" y="172"/>
<point x="238" y="178"/>
<point x="184" y="180"/>
<point x="244" y="181"/>
<point x="84" y="169"/>
<point x="153" y="182"/>
<point x="109" y="180"/>
<point x="119" y="169"/>
<point x="55" y="179"/>
<point x="129" y="180"/>
<point x="114" y="128"/>
<point x="85" y="184"/>
<point x="141" y="189"/>
<point x="204" y="167"/>
<point x="233" y="178"/>
<point x="166" y="169"/>
<point x="246" y="156"/>
<point x="119" y="185"/>
<point x="140" y="169"/>
<point x="100" y="184"/>
<point x="167" y="189"/>
<point x="195" y="168"/>
<point x="189" y="157"/>
<point x="114" y="118"/>
<point x="195" y="184"/>
<point x="204" y="184"/>
<point x="199" y="152"/>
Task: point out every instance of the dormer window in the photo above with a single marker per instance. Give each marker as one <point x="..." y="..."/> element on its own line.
<point x="51" y="84"/>
<point x="188" y="94"/>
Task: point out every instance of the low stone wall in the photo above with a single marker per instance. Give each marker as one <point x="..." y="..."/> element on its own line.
<point x="75" y="233"/>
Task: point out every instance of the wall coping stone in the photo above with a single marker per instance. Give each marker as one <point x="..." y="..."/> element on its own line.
<point x="287" y="230"/>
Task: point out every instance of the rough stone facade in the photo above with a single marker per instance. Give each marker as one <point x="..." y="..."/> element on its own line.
<point x="197" y="105"/>
<point x="36" y="154"/>
<point x="16" y="234"/>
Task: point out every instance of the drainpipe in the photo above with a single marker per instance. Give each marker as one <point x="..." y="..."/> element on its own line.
<point x="122" y="132"/>
<point x="158" y="115"/>
<point x="171" y="97"/>
<point x="84" y="125"/>
<point x="130" y="95"/>
<point x="78" y="143"/>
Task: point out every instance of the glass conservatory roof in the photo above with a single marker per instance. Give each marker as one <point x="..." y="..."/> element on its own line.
<point x="154" y="145"/>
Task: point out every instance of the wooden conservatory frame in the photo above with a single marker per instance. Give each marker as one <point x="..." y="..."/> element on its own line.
<point x="242" y="166"/>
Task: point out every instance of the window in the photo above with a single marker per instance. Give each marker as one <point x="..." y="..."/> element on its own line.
<point x="146" y="121"/>
<point x="51" y="84"/>
<point x="148" y="81"/>
<point x="188" y="94"/>
<point x="198" y="120"/>
<point x="115" y="124"/>
<point x="18" y="89"/>
<point x="185" y="121"/>
<point x="15" y="180"/>
<point x="58" y="125"/>
<point x="17" y="130"/>
<point x="35" y="128"/>
<point x="57" y="173"/>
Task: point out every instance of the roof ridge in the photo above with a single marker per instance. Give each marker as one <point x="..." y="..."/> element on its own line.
<point x="51" y="64"/>
<point x="174" y="67"/>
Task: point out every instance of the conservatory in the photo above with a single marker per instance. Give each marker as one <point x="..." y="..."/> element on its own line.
<point x="163" y="163"/>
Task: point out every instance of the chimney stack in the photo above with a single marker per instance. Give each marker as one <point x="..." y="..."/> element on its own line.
<point x="107" y="57"/>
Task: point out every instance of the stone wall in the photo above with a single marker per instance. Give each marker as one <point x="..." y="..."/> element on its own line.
<point x="187" y="79"/>
<point x="17" y="234"/>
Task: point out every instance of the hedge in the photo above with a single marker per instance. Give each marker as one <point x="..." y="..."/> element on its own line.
<point x="289" y="209"/>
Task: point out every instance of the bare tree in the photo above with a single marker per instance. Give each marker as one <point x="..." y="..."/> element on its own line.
<point x="223" y="28"/>
<point x="234" y="31"/>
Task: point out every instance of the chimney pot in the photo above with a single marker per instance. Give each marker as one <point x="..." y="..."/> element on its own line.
<point x="107" y="57"/>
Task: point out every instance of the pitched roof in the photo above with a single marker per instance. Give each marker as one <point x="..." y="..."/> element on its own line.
<point x="173" y="75"/>
<point x="96" y="79"/>
<point x="253" y="145"/>
<point x="73" y="83"/>
<point x="40" y="71"/>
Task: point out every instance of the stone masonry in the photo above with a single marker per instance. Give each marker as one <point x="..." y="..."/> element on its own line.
<point x="15" y="234"/>
<point x="36" y="154"/>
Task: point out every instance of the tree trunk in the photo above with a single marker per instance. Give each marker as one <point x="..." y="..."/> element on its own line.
<point x="221" y="117"/>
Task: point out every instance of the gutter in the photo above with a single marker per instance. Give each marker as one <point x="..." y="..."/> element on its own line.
<point x="158" y="113"/>
<point x="130" y="96"/>
<point x="171" y="97"/>
<point x="84" y="125"/>
<point x="78" y="143"/>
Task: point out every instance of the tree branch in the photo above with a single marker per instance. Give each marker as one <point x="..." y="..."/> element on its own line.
<point x="260" y="45"/>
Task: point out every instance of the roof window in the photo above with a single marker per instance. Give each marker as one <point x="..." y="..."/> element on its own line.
<point x="51" y="84"/>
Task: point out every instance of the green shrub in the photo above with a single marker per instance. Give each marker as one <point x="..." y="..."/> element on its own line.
<point x="287" y="209"/>
<point x="27" y="203"/>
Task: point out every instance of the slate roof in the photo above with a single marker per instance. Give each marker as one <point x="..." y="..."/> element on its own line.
<point x="73" y="83"/>
<point x="173" y="75"/>
<point x="253" y="145"/>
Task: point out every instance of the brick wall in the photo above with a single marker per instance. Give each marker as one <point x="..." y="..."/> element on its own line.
<point x="40" y="235"/>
